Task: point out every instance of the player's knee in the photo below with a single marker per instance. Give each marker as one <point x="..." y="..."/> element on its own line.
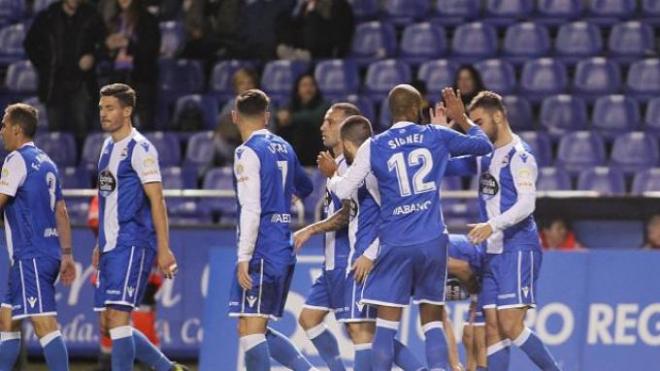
<point x="468" y="335"/>
<point x="510" y="329"/>
<point x="44" y="325"/>
<point x="116" y="318"/>
<point x="306" y="320"/>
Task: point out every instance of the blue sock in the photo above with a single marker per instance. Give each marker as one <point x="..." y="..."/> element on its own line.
<point x="10" y="346"/>
<point x="327" y="346"/>
<point x="382" y="352"/>
<point x="257" y="357"/>
<point x="123" y="348"/>
<point x="404" y="358"/>
<point x="148" y="354"/>
<point x="362" y="357"/>
<point x="55" y="352"/>
<point x="529" y="343"/>
<point x="285" y="352"/>
<point x="437" y="351"/>
<point x="498" y="356"/>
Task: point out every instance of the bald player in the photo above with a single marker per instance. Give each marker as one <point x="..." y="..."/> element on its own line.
<point x="408" y="162"/>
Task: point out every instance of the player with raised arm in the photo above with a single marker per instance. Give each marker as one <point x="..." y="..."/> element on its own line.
<point x="360" y="214"/>
<point x="38" y="239"/>
<point x="408" y="161"/>
<point x="267" y="175"/>
<point x="133" y="230"/>
<point x="507" y="197"/>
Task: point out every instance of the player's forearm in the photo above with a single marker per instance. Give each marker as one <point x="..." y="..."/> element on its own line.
<point x="334" y="222"/>
<point x="159" y="218"/>
<point x="63" y="226"/>
<point x="249" y="222"/>
<point x="523" y="208"/>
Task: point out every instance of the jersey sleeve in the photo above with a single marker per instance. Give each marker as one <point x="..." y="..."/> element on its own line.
<point x="145" y="162"/>
<point x="372" y="187"/>
<point x="13" y="176"/>
<point x="524" y="173"/>
<point x="303" y="186"/>
<point x="344" y="186"/>
<point x="247" y="168"/>
<point x="461" y="166"/>
<point x="474" y="143"/>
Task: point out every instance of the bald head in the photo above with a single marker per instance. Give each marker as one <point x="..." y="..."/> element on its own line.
<point x="405" y="102"/>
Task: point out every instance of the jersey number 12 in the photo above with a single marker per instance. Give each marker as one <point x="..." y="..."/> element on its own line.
<point x="419" y="156"/>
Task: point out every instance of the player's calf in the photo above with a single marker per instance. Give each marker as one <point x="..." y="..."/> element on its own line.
<point x="324" y="341"/>
<point x="10" y="339"/>
<point x="511" y="322"/>
<point x="498" y="351"/>
<point x="50" y="338"/>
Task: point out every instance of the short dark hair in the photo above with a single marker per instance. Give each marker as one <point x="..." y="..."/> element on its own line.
<point x="252" y="102"/>
<point x="487" y="100"/>
<point x="25" y="116"/>
<point x="124" y="93"/>
<point x="401" y="99"/>
<point x="356" y="129"/>
<point x="349" y="109"/>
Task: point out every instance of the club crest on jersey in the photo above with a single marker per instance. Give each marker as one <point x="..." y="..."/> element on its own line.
<point x="488" y="186"/>
<point x="107" y="183"/>
<point x="124" y="153"/>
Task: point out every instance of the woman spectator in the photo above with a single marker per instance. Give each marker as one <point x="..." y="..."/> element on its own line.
<point x="556" y="234"/>
<point x="653" y="233"/>
<point x="133" y="45"/>
<point x="469" y="82"/>
<point x="300" y="123"/>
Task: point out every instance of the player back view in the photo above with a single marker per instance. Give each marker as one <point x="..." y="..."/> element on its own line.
<point x="408" y="161"/>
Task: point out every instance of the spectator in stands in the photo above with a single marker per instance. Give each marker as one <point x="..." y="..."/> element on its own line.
<point x="320" y="29"/>
<point x="468" y="81"/>
<point x="211" y="28"/>
<point x="261" y="24"/>
<point x="226" y="136"/>
<point x="420" y="85"/>
<point x="556" y="234"/>
<point x="653" y="233"/>
<point x="133" y="45"/>
<point x="300" y="123"/>
<point x="64" y="43"/>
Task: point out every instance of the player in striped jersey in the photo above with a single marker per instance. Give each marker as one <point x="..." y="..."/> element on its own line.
<point x="38" y="239"/>
<point x="507" y="196"/>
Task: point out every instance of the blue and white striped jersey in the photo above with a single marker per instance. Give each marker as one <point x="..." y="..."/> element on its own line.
<point x="363" y="226"/>
<point x="124" y="209"/>
<point x="409" y="160"/>
<point x="336" y="244"/>
<point x="267" y="174"/>
<point x="31" y="178"/>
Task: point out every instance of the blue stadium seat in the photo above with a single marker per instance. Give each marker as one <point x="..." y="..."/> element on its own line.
<point x="635" y="151"/>
<point x="365" y="10"/>
<point x="91" y="151"/>
<point x="563" y="113"/>
<point x="59" y="146"/>
<point x="172" y="38"/>
<point x="651" y="12"/>
<point x="384" y="115"/>
<point x="652" y="117"/>
<point x="437" y="75"/>
<point x="519" y="112"/>
<point x="455" y="12"/>
<point x="383" y="75"/>
<point x="543" y="77"/>
<point x="21" y="78"/>
<point x="78" y="210"/>
<point x="177" y="77"/>
<point x="279" y="76"/>
<point x="172" y="177"/>
<point x="73" y="177"/>
<point x="630" y="41"/>
<point x="11" y="44"/>
<point x="362" y="102"/>
<point x="168" y="147"/>
<point x="643" y="80"/>
<point x="11" y="11"/>
<point x="580" y="150"/>
<point x="421" y="42"/>
<point x="646" y="181"/>
<point x="189" y="212"/>
<point x="608" y="12"/>
<point x="474" y="41"/>
<point x="614" y="115"/>
<point x="553" y="179"/>
<point x="577" y="40"/>
<point x="556" y="12"/>
<point x="506" y="12"/>
<point x="498" y="75"/>
<point x="540" y="144"/>
<point x="42" y="125"/>
<point x="221" y="83"/>
<point x="221" y="178"/>
<point x="604" y="180"/>
<point x="596" y="76"/>
<point x="403" y="12"/>
<point x="200" y="153"/>
<point x="337" y="77"/>
<point x="526" y="40"/>
<point x="373" y="41"/>
<point x="40" y="5"/>
<point x="205" y="106"/>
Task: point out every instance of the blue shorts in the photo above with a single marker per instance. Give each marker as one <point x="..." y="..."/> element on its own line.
<point x="400" y="272"/>
<point x="477" y="318"/>
<point x="31" y="287"/>
<point x="327" y="293"/>
<point x="355" y="311"/>
<point x="510" y="279"/>
<point x="122" y="277"/>
<point x="267" y="297"/>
